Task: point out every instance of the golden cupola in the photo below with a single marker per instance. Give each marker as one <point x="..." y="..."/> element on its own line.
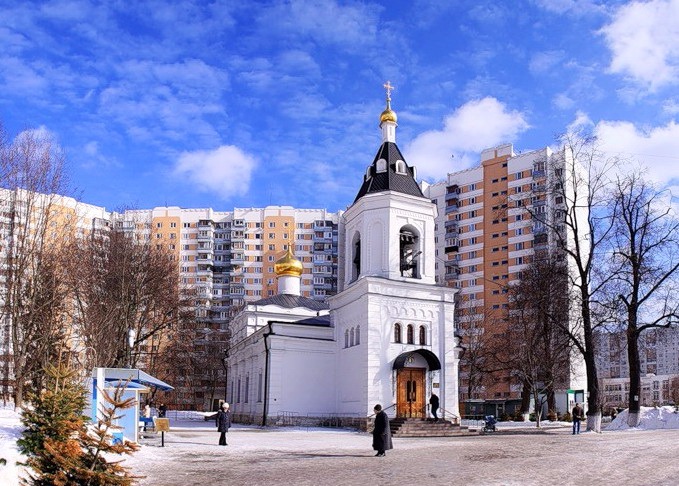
<point x="289" y="265"/>
<point x="388" y="114"/>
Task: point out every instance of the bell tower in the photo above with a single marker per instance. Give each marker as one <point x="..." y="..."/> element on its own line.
<point x="389" y="229"/>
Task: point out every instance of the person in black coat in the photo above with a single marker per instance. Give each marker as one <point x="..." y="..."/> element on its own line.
<point x="381" y="432"/>
<point x="434" y="402"/>
<point x="223" y="423"/>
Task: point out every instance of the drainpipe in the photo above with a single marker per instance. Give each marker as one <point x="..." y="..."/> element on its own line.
<point x="267" y="363"/>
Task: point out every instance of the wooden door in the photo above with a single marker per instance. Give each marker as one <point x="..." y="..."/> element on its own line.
<point x="410" y="400"/>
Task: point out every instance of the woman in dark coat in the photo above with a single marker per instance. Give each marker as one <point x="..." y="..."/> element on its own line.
<point x="223" y="423"/>
<point x="381" y="432"/>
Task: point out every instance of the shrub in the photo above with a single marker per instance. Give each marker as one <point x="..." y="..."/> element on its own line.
<point x="518" y="416"/>
<point x="552" y="416"/>
<point x="61" y="448"/>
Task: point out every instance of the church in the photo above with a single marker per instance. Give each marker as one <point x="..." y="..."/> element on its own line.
<point x="388" y="335"/>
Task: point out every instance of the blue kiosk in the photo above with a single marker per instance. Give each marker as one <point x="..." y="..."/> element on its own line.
<point x="136" y="383"/>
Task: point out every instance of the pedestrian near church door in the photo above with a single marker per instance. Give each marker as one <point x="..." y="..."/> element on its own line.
<point x="410" y="400"/>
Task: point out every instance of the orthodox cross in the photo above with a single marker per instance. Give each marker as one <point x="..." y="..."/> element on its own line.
<point x="389" y="89"/>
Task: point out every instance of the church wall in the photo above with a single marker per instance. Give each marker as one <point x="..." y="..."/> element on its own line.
<point x="302" y="378"/>
<point x="352" y="383"/>
<point x="366" y="374"/>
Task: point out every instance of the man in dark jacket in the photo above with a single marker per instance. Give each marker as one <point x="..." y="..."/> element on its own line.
<point x="434" y="402"/>
<point x="578" y="415"/>
<point x="223" y="423"/>
<point x="381" y="432"/>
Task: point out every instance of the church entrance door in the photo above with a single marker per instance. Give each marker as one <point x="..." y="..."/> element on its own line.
<point x="410" y="393"/>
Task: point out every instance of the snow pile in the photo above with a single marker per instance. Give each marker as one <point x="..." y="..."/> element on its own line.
<point x="10" y="431"/>
<point x="651" y="418"/>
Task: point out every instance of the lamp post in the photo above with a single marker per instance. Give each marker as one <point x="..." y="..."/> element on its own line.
<point x="131" y="336"/>
<point x="225" y="361"/>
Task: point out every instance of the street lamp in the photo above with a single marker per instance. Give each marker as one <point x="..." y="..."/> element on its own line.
<point x="131" y="336"/>
<point x="225" y="361"/>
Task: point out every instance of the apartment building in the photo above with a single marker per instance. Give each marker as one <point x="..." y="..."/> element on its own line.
<point x="492" y="220"/>
<point x="658" y="353"/>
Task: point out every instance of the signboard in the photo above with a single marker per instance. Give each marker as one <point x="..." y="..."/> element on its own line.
<point x="162" y="425"/>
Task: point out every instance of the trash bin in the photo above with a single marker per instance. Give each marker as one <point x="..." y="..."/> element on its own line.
<point x="117" y="438"/>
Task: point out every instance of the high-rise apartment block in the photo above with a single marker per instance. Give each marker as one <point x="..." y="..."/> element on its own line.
<point x="228" y="256"/>
<point x="493" y="218"/>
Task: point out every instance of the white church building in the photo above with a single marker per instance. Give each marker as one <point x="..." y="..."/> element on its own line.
<point x="387" y="337"/>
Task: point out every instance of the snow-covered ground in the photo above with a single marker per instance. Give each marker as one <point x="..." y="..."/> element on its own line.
<point x="10" y="431"/>
<point x="195" y="442"/>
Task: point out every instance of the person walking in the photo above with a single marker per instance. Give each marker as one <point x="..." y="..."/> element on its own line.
<point x="434" y="402"/>
<point x="578" y="415"/>
<point x="223" y="423"/>
<point x="162" y="410"/>
<point x="381" y="432"/>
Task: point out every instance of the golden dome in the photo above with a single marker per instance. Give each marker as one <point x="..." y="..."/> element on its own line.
<point x="289" y="265"/>
<point x="388" y="115"/>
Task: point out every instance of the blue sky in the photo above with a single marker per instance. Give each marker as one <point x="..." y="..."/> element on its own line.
<point x="245" y="104"/>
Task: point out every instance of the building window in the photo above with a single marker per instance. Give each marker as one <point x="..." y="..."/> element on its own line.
<point x="423" y="336"/>
<point x="247" y="387"/>
<point x="400" y="167"/>
<point x="351" y="337"/>
<point x="411" y="334"/>
<point x="259" y="388"/>
<point x="346" y="338"/>
<point x="358" y="335"/>
<point x="397" y="333"/>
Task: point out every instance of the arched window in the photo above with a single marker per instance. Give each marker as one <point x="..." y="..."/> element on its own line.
<point x="358" y="335"/>
<point x="397" y="333"/>
<point x="346" y="338"/>
<point x="400" y="167"/>
<point x="356" y="260"/>
<point x="351" y="339"/>
<point x="409" y="251"/>
<point x="381" y="165"/>
<point x="423" y="336"/>
<point x="411" y="334"/>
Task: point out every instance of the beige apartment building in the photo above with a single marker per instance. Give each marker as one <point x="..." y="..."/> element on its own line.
<point x="485" y="237"/>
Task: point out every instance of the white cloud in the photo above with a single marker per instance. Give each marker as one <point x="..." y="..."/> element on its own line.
<point x="543" y="62"/>
<point x="225" y="171"/>
<point x="476" y="125"/>
<point x="655" y="148"/>
<point x="582" y="120"/>
<point x="644" y="42"/>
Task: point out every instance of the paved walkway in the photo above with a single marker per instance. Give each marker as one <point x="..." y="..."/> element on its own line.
<point x="322" y="457"/>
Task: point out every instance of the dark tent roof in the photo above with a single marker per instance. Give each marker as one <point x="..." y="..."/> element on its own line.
<point x="389" y="179"/>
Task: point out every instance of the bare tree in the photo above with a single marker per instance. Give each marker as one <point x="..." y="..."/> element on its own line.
<point x="126" y="293"/>
<point x="538" y="348"/>
<point x="645" y="261"/>
<point x="32" y="176"/>
<point x="581" y="228"/>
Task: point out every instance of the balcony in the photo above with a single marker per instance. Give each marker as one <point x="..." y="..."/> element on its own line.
<point x="451" y="208"/>
<point x="204" y="259"/>
<point x="205" y="224"/>
<point x="237" y="259"/>
<point x="452" y="196"/>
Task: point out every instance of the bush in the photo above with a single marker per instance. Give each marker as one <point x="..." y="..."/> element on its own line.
<point x="504" y="417"/>
<point x="552" y="416"/>
<point x="61" y="448"/>
<point x="566" y="417"/>
<point x="518" y="416"/>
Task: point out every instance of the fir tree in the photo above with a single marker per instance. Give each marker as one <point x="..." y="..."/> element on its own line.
<point x="62" y="447"/>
